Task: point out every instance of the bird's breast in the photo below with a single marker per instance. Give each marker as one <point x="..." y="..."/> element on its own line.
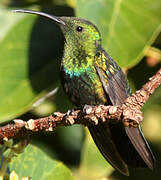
<point x="83" y="86"/>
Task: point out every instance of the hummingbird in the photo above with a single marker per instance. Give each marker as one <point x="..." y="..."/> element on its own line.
<point x="89" y="76"/>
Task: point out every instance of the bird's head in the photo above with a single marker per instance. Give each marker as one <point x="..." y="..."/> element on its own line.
<point x="77" y="32"/>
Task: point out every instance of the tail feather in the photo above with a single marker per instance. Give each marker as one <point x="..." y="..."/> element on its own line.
<point x="137" y="139"/>
<point x="103" y="139"/>
<point x="122" y="147"/>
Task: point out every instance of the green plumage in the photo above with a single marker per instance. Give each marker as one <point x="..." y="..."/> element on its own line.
<point x="91" y="77"/>
<point x="82" y="56"/>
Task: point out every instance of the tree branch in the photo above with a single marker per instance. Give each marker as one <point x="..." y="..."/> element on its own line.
<point x="129" y="113"/>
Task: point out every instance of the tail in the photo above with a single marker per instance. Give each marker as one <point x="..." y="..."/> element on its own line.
<point x="122" y="147"/>
<point x="141" y="145"/>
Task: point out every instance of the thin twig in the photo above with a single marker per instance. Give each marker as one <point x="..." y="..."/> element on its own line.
<point x="129" y="113"/>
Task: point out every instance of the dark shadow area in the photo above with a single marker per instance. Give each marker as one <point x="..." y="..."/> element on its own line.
<point x="19" y="3"/>
<point x="25" y="3"/>
<point x="142" y="72"/>
<point x="143" y="173"/>
<point x="140" y="75"/>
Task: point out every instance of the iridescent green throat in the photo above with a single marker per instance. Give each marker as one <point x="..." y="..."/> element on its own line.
<point x="78" y="58"/>
<point x="77" y="62"/>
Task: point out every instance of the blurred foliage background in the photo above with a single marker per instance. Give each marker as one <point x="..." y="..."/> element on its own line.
<point x="30" y="52"/>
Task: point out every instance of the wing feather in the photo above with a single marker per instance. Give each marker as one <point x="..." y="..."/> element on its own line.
<point x="116" y="86"/>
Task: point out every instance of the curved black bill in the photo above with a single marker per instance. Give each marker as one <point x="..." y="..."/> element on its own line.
<point x="54" y="18"/>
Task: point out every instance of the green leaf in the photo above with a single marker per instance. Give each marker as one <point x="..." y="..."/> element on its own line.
<point x="93" y="164"/>
<point x="127" y="27"/>
<point x="36" y="164"/>
<point x="29" y="68"/>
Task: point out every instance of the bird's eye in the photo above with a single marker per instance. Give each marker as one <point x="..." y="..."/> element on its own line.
<point x="79" y="28"/>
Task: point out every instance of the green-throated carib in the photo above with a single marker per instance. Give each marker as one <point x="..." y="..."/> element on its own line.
<point x="90" y="76"/>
